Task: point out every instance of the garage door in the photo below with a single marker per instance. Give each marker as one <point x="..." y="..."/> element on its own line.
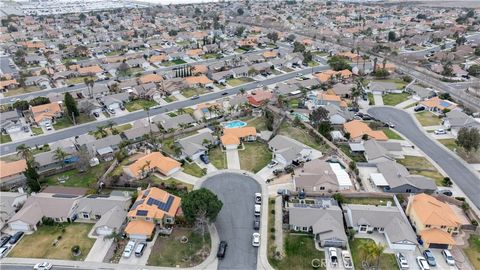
<point x="333" y="243"/>
<point x="439" y="246"/>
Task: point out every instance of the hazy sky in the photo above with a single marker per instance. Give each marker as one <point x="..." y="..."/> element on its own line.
<point x="166" y="2"/>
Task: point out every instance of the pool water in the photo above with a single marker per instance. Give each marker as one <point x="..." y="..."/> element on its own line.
<point x="234" y="124"/>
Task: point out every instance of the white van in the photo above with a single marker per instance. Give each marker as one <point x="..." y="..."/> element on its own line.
<point x="258" y="209"/>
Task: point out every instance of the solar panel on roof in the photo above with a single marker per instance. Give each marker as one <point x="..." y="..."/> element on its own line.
<point x="169" y="203"/>
<point x="136" y="204"/>
<point x="142" y="212"/>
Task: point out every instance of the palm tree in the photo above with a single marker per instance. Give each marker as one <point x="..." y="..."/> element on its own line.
<point x="24" y="151"/>
<point x="101" y="131"/>
<point x="60" y="155"/>
<point x="90" y="83"/>
<point x="181" y="111"/>
<point x="147" y="166"/>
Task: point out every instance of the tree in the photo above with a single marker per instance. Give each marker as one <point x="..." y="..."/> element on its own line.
<point x="447" y="182"/>
<point x="172" y="32"/>
<point x="81" y="51"/>
<point x="239" y="31"/>
<point x="83" y="161"/>
<point x="318" y="115"/>
<point x="39" y="101"/>
<point x="447" y="69"/>
<point x="123" y="69"/>
<point x="461" y="40"/>
<point x="469" y="139"/>
<point x="291" y="38"/>
<point x="339" y="198"/>
<point x="338" y="63"/>
<point x="82" y="17"/>
<point x="32" y="176"/>
<point x="71" y="105"/>
<point x="89" y="83"/>
<point x="21" y="105"/>
<point x="298" y="47"/>
<point x="477" y="51"/>
<point x="474" y="70"/>
<point x="101" y="132"/>
<point x="60" y="156"/>
<point x="392" y="36"/>
<point x="273" y="36"/>
<point x="201" y="201"/>
<point x="381" y="73"/>
<point x="24" y="152"/>
<point x="325" y="128"/>
<point x="240" y="11"/>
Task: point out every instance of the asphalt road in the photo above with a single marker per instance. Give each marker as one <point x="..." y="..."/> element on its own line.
<point x="468" y="181"/>
<point x="81" y="86"/>
<point x="5" y="65"/>
<point x="7" y="266"/>
<point x="85" y="128"/>
<point x="235" y="221"/>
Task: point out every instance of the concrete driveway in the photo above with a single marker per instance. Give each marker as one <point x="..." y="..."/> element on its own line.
<point x="457" y="170"/>
<point x="235" y="221"/>
<point x="99" y="250"/>
<point x="233" y="160"/>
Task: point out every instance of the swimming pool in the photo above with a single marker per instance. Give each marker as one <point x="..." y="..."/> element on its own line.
<point x="234" y="124"/>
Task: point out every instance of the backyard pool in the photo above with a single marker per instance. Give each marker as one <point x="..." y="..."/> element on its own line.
<point x="234" y="124"/>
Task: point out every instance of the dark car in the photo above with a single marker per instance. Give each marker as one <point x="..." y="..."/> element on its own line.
<point x="204" y="158"/>
<point x="14" y="239"/>
<point x="71" y="85"/>
<point x="96" y="114"/>
<point x="5" y="240"/>
<point x="429" y="257"/>
<point x="256" y="224"/>
<point x="419" y="108"/>
<point x="224" y="93"/>
<point x="222" y="248"/>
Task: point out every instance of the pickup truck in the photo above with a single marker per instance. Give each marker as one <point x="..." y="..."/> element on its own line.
<point x="347" y="260"/>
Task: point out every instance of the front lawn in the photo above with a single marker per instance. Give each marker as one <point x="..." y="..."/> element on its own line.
<point x="139" y="104"/>
<point x="210" y="55"/>
<point x="173" y="63"/>
<point x="37" y="130"/>
<point x="77" y="80"/>
<point x="190" y="92"/>
<point x="299" y="252"/>
<point x="254" y="157"/>
<point x="172" y="182"/>
<point x="238" y="81"/>
<point x="387" y="260"/>
<point x="473" y="250"/>
<point x="302" y="135"/>
<point x="421" y="166"/>
<point x="74" y="178"/>
<point x="472" y="157"/>
<point x="393" y="99"/>
<point x="40" y="244"/>
<point x="371" y="99"/>
<point x="168" y="251"/>
<point x="169" y="99"/>
<point x="217" y="158"/>
<point x="368" y="201"/>
<point x="5" y="138"/>
<point x="65" y="121"/>
<point x="428" y="119"/>
<point x="21" y="90"/>
<point x="193" y="169"/>
<point x="392" y="134"/>
<point x="400" y="84"/>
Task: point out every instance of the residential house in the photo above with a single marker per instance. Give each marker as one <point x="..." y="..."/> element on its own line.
<point x="358" y="129"/>
<point x="325" y="223"/>
<point x="153" y="208"/>
<point x="420" y="93"/>
<point x="11" y="203"/>
<point x="150" y="78"/>
<point x="233" y="137"/>
<point x="46" y="113"/>
<point x="383" y="88"/>
<point x="95" y="70"/>
<point x="321" y="176"/>
<point x="139" y="129"/>
<point x="455" y="120"/>
<point x="381" y="151"/>
<point x="437" y="105"/>
<point x="196" y="81"/>
<point x="395" y="178"/>
<point x="337" y="115"/>
<point x="172" y="123"/>
<point x="342" y="90"/>
<point x="287" y="150"/>
<point x="10" y="122"/>
<point x="8" y="84"/>
<point x="103" y="148"/>
<point x="115" y="101"/>
<point x="11" y="173"/>
<point x="436" y="222"/>
<point x="153" y="162"/>
<point x="259" y="97"/>
<point x="195" y="145"/>
<point x="47" y="161"/>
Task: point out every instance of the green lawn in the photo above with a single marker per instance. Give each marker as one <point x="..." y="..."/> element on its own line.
<point x="255" y="156"/>
<point x="355" y="157"/>
<point x="258" y="123"/>
<point x="387" y="260"/>
<point x="5" y="138"/>
<point x="174" y="62"/>
<point x="217" y="158"/>
<point x="393" y="99"/>
<point x="210" y="55"/>
<point x="139" y="104"/>
<point x="65" y="122"/>
<point x="312" y="63"/>
<point x="392" y="134"/>
<point x="37" y="130"/>
<point x="428" y="119"/>
<point x="40" y="243"/>
<point x="123" y="127"/>
<point x="169" y="99"/>
<point x="78" y="80"/>
<point x="168" y="251"/>
<point x="400" y="84"/>
<point x="193" y="169"/>
<point x="172" y="182"/>
<point x="78" y="179"/>
<point x="472" y="157"/>
<point x="368" y="201"/>
<point x="299" y="252"/>
<point x="301" y="135"/>
<point x="473" y="250"/>
<point x="238" y="81"/>
<point x="293" y="103"/>
<point x="371" y="99"/>
<point x="21" y="90"/>
<point x="190" y="92"/>
<point x="421" y="166"/>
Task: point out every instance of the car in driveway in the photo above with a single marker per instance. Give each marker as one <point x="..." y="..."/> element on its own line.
<point x="429" y="257"/>
<point x="15" y="238"/>
<point x="419" y="108"/>
<point x="401" y="260"/>
<point x="258" y="209"/>
<point x="127" y="252"/>
<point x="43" y="266"/>
<point x="447" y="255"/>
<point x="440" y="131"/>
<point x="222" y="249"/>
<point x="5" y="240"/>
<point x="333" y="255"/>
<point x="445" y="192"/>
<point x="204" y="158"/>
<point x="256" y="239"/>
<point x="140" y="248"/>
<point x="422" y="263"/>
<point x="272" y="164"/>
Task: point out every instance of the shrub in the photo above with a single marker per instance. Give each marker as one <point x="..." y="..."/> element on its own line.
<point x="76" y="250"/>
<point x="272" y="236"/>
<point x="272" y="230"/>
<point x="272" y="211"/>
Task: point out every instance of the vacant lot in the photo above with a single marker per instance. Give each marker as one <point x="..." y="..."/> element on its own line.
<point x="217" y="158"/>
<point x="169" y="251"/>
<point x="472" y="157"/>
<point x="254" y="157"/>
<point x="74" y="178"/>
<point x="428" y="119"/>
<point x="387" y="261"/>
<point x="40" y="243"/>
<point x="393" y="99"/>
<point x="238" y="81"/>
<point x="299" y="252"/>
<point x="139" y="104"/>
<point x="421" y="166"/>
<point x="473" y="250"/>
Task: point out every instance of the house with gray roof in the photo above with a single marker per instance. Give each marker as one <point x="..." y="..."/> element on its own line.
<point x="47" y="162"/>
<point x="377" y="152"/>
<point x="420" y="92"/>
<point x="325" y="223"/>
<point x="287" y="150"/>
<point x="320" y="176"/>
<point x="455" y="120"/>
<point x="343" y="90"/>
<point x="167" y="122"/>
<point x="103" y="148"/>
<point x="139" y="129"/>
<point x="387" y="220"/>
<point x="196" y="145"/>
<point x="395" y="178"/>
<point x="383" y="87"/>
<point x="111" y="221"/>
<point x="11" y="203"/>
<point x="337" y="115"/>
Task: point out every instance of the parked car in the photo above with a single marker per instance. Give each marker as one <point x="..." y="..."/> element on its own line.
<point x="224" y="93"/>
<point x="112" y="112"/>
<point x="419" y="108"/>
<point x="272" y="164"/>
<point x="96" y="114"/>
<point x="445" y="192"/>
<point x="127" y="252"/>
<point x="347" y="260"/>
<point x="447" y="255"/>
<point x="390" y="125"/>
<point x="222" y="249"/>
<point x="422" y="263"/>
<point x="429" y="257"/>
<point x="5" y="240"/>
<point x="282" y="191"/>
<point x="43" y="266"/>
<point x="195" y="97"/>
<point x="204" y="159"/>
<point x="256" y="239"/>
<point x="258" y="198"/>
<point x="440" y="131"/>
<point x="402" y="261"/>
<point x="48" y="126"/>
<point x="332" y="254"/>
<point x="258" y="209"/>
<point x="14" y="239"/>
<point x="4" y="250"/>
<point x="71" y="85"/>
<point x="256" y="224"/>
<point x="140" y="248"/>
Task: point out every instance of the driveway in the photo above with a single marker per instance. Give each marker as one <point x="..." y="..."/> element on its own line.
<point x="378" y="99"/>
<point x="233" y="160"/>
<point x="457" y="170"/>
<point x="99" y="250"/>
<point x="235" y="221"/>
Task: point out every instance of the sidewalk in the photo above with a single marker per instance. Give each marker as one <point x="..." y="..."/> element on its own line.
<point x="184" y="177"/>
<point x="278" y="225"/>
<point x="406" y="103"/>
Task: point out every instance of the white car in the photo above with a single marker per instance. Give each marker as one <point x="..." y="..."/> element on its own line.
<point x="127" y="252"/>
<point x="256" y="239"/>
<point x="332" y="253"/>
<point x="48" y="126"/>
<point x="422" y="263"/>
<point x="447" y="255"/>
<point x="402" y="261"/>
<point x="440" y="131"/>
<point x="43" y="266"/>
<point x="272" y="164"/>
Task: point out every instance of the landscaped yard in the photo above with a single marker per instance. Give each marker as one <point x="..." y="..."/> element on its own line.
<point x="254" y="157"/>
<point x="354" y="156"/>
<point x="217" y="158"/>
<point x="5" y="138"/>
<point x="172" y="182"/>
<point x="400" y="84"/>
<point x="299" y="252"/>
<point x="301" y="135"/>
<point x="40" y="243"/>
<point x="368" y="201"/>
<point x="78" y="179"/>
<point x="170" y="252"/>
<point x="139" y="104"/>
<point x="65" y="122"/>
<point x="21" y="90"/>
<point x="472" y="157"/>
<point x="210" y="55"/>
<point x="421" y="166"/>
<point x="37" y="130"/>
<point x="387" y="260"/>
<point x="371" y="99"/>
<point x="77" y="80"/>
<point x="190" y="92"/>
<point x="392" y="134"/>
<point x="193" y="169"/>
<point x="428" y="119"/>
<point x="258" y="123"/>
<point x="173" y="62"/>
<point x="238" y="81"/>
<point x="169" y="99"/>
<point x="393" y="99"/>
<point x="473" y="250"/>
